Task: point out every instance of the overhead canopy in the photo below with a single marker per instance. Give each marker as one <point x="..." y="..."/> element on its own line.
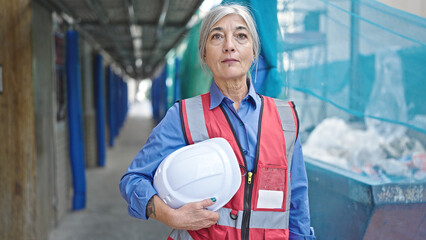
<point x="137" y="34"/>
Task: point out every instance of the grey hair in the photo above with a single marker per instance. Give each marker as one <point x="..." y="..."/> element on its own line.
<point x="218" y="13"/>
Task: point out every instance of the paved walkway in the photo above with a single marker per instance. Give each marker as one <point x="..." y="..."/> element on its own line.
<point x="106" y="215"/>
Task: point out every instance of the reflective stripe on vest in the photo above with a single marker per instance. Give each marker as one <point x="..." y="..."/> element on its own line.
<point x="259" y="219"/>
<point x="194" y="108"/>
<point x="290" y="124"/>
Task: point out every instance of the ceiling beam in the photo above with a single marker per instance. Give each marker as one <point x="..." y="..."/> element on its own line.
<point x="160" y="29"/>
<point x="140" y="23"/>
<point x="190" y="14"/>
<point x="103" y="17"/>
<point x="136" y="37"/>
<point x="99" y="11"/>
<point x="157" y="50"/>
<point x="162" y="17"/>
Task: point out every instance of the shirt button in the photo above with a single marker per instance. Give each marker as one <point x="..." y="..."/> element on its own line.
<point x="245" y="152"/>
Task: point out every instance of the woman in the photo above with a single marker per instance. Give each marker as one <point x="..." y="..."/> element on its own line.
<point x="262" y="132"/>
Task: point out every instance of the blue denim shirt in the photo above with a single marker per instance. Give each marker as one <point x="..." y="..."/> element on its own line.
<point x="136" y="185"/>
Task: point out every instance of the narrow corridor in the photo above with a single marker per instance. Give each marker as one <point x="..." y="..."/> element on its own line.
<point x="105" y="216"/>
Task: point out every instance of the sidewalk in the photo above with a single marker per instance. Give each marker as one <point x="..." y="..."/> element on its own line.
<point x="105" y="216"/>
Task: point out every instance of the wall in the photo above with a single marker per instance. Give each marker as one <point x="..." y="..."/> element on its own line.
<point x="43" y="73"/>
<point x="63" y="181"/>
<point x="88" y="101"/>
<point x="17" y="140"/>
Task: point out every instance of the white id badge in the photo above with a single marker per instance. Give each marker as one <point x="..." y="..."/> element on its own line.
<point x="270" y="199"/>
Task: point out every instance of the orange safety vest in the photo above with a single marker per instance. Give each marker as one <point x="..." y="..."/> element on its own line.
<point x="260" y="208"/>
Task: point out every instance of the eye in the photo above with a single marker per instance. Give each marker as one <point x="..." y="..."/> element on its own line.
<point x="242" y="36"/>
<point x="216" y="36"/>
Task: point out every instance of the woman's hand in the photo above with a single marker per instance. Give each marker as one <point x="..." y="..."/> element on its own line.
<point x="195" y="216"/>
<point x="191" y="216"/>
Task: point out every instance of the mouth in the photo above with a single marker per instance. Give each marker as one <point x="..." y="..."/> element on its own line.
<point x="229" y="60"/>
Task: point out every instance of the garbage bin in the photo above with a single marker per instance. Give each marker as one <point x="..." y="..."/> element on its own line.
<point x="345" y="205"/>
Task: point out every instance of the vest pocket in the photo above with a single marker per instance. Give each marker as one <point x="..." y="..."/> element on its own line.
<point x="270" y="194"/>
<point x="276" y="234"/>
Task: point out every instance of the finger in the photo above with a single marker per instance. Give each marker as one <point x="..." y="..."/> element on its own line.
<point x="215" y="217"/>
<point x="208" y="202"/>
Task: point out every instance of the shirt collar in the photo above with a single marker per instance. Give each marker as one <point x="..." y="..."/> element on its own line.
<point x="216" y="96"/>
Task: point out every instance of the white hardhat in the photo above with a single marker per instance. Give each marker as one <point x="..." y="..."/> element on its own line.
<point x="199" y="171"/>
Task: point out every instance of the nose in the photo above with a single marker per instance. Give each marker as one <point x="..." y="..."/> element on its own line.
<point x="228" y="46"/>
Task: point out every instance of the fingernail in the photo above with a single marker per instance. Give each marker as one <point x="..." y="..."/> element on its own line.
<point x="213" y="199"/>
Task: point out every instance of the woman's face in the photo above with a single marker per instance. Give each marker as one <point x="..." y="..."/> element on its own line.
<point x="229" y="48"/>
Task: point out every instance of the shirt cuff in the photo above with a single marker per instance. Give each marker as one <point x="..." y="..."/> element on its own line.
<point x="298" y="236"/>
<point x="140" y="198"/>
